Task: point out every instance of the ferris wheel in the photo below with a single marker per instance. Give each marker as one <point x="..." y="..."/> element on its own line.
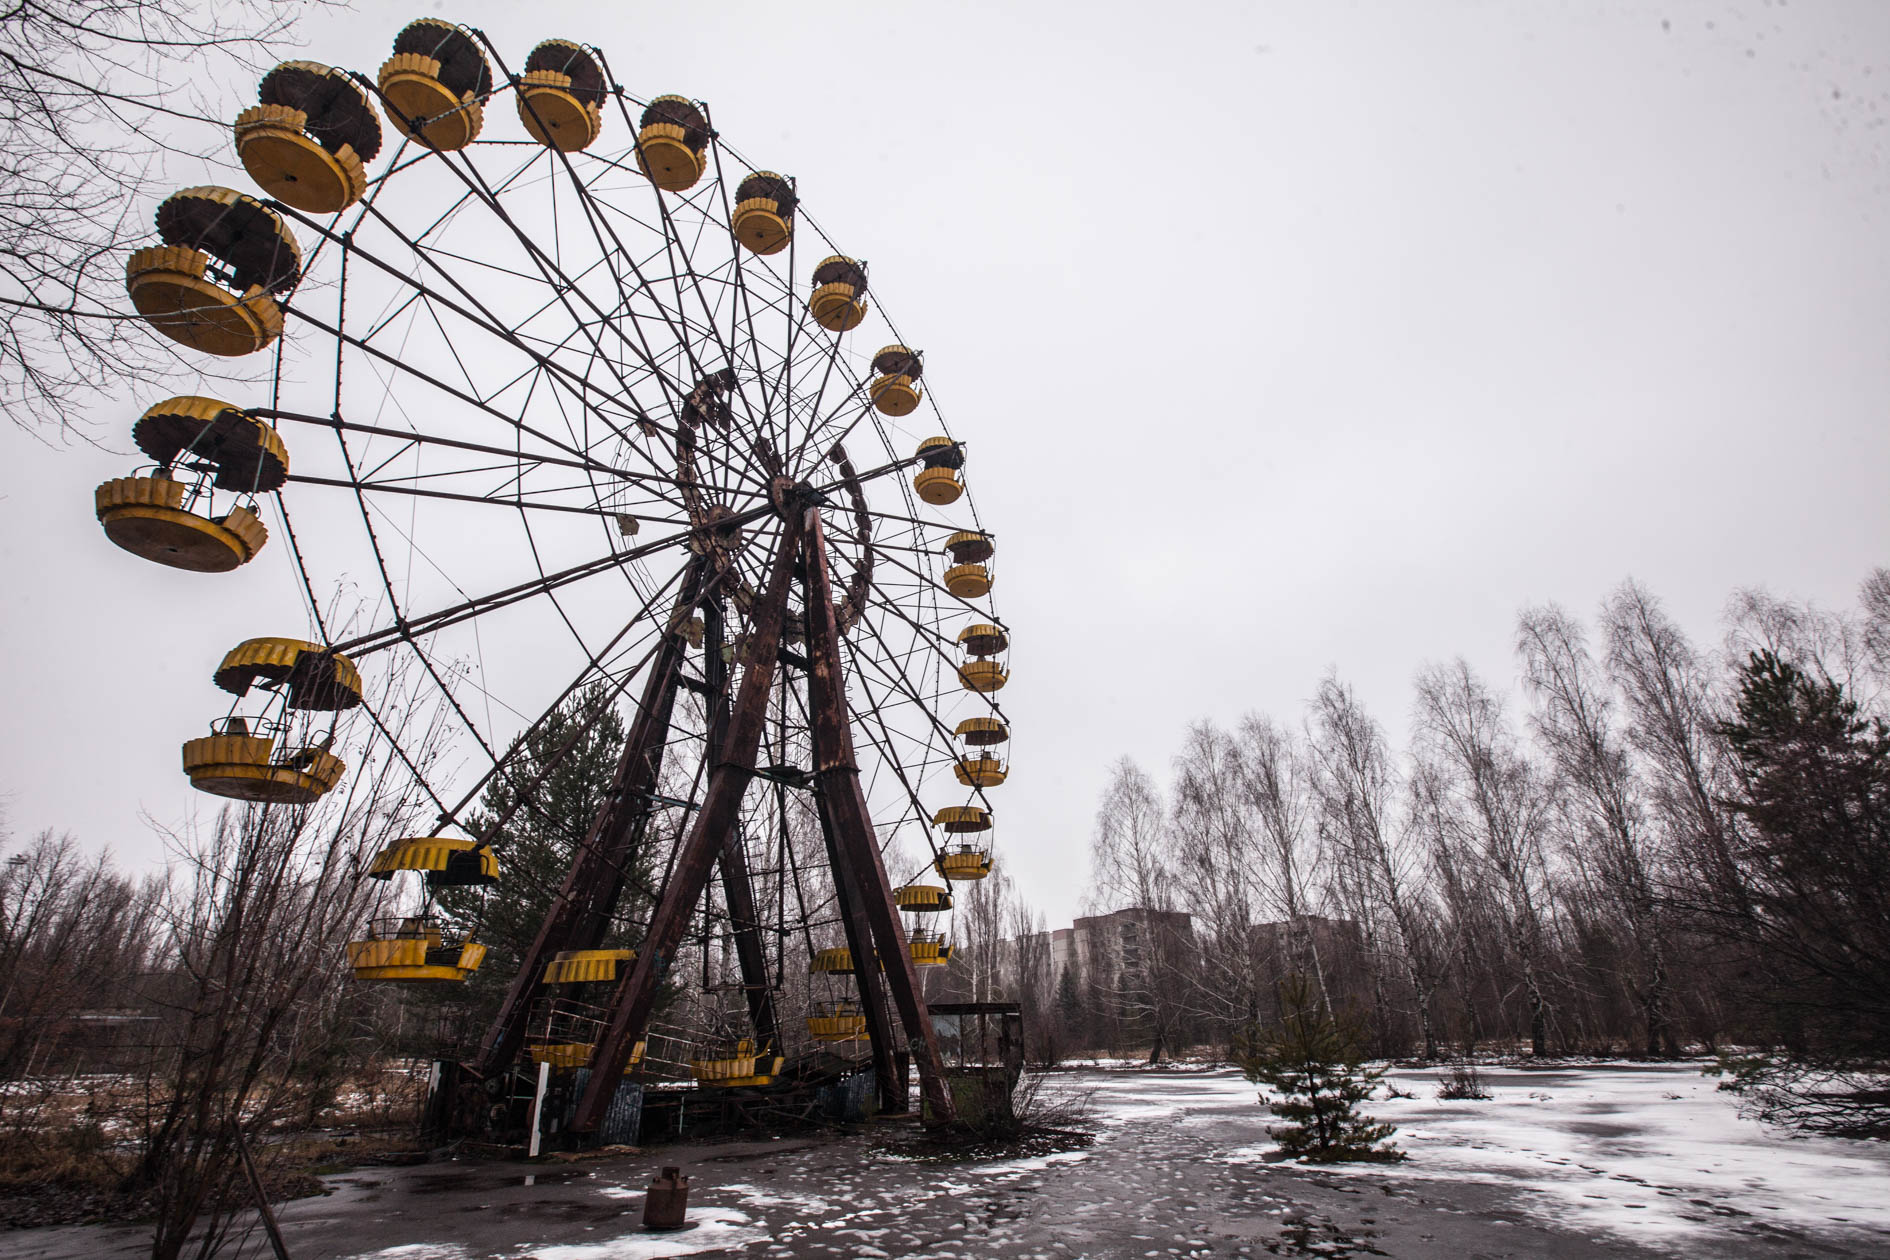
<point x="583" y="400"/>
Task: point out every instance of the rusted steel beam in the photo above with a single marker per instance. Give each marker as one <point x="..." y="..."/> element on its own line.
<point x="866" y="974"/>
<point x="737" y="889"/>
<point x="838" y="776"/>
<point x="580" y="913"/>
<point x="721" y="805"/>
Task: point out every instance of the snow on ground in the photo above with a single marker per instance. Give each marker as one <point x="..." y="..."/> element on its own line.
<point x="1655" y="1151"/>
<point x="714" y="1229"/>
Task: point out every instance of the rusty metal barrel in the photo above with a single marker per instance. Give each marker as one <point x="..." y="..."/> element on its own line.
<point x="667" y="1204"/>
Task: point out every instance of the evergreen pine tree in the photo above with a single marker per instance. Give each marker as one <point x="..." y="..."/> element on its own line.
<point x="1311" y="1062"/>
<point x="536" y="844"/>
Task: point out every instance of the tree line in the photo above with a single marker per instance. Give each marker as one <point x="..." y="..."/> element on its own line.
<point x="1650" y="846"/>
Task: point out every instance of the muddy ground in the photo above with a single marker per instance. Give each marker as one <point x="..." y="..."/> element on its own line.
<point x="1171" y="1173"/>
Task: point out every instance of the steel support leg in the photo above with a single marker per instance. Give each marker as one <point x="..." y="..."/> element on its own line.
<point x="721" y="805"/>
<point x="580" y="913"/>
<point x="838" y="776"/>
<point x="737" y="889"/>
<point x="866" y="974"/>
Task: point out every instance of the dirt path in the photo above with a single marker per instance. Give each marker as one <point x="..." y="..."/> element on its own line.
<point x="1158" y="1182"/>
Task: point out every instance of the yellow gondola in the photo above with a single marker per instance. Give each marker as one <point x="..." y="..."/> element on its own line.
<point x="585" y="966"/>
<point x="969" y="577"/>
<point x="171" y="286"/>
<point x="312" y="676"/>
<point x="964" y="862"/>
<point x="561" y="95"/>
<point x="832" y="962"/>
<point x="672" y="138"/>
<point x="960" y="820"/>
<point x="308" y="141"/>
<point x="434" y="84"/>
<point x="896" y="391"/>
<point x="446" y="862"/>
<point x="980" y="671"/>
<point x="232" y="762"/>
<point x="978" y="766"/>
<point x="836" y="1022"/>
<point x="566" y="1055"/>
<point x="415" y="950"/>
<point x="763" y="218"/>
<point x="928" y="948"/>
<point x="745" y="1066"/>
<point x="937" y="482"/>
<point x="923" y="898"/>
<point x="167" y="514"/>
<point x="839" y="299"/>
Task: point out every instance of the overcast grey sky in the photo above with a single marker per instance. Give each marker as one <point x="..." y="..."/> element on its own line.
<point x="1284" y="337"/>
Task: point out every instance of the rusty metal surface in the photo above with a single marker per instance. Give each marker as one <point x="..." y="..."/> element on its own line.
<point x="581" y="911"/>
<point x="838" y="776"/>
<point x="721" y="804"/>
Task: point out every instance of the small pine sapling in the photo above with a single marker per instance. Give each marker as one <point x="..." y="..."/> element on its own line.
<point x="1310" y="1060"/>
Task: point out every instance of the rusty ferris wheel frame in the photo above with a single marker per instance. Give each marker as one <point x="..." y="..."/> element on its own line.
<point x="541" y="331"/>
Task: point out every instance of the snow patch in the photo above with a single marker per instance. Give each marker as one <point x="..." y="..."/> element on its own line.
<point x="716" y="1229"/>
<point x="1642" y="1151"/>
<point x="416" y="1251"/>
<point x="1032" y="1164"/>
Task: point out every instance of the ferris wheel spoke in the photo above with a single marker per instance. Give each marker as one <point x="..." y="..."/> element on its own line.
<point x="551" y="271"/>
<point x="879" y="737"/>
<point x="473" y="311"/>
<point x="469" y="399"/>
<point x="381" y="487"/>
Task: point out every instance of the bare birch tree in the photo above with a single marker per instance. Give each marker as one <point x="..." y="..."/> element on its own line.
<point x="1495" y="797"/>
<point x="1577" y="727"/>
<point x="1130" y="867"/>
<point x="1357" y="788"/>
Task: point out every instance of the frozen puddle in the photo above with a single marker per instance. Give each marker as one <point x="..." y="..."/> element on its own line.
<point x="1655" y="1151"/>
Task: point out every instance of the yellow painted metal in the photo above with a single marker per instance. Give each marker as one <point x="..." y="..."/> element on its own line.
<point x="982" y="675"/>
<point x="984" y="639"/>
<point x="411" y="84"/>
<point x="582" y="966"/>
<point x="964" y="864"/>
<point x="273" y="660"/>
<point x="836" y="309"/>
<point x="146" y="516"/>
<point x="243" y="767"/>
<point x="895" y="395"/>
<point x="962" y="819"/>
<point x="760" y="226"/>
<point x="834" y="962"/>
<point x="970" y="546"/>
<point x="968" y="581"/>
<point x="982" y="732"/>
<point x="747" y="1066"/>
<point x="843" y="1023"/>
<point x="218" y="433"/>
<point x="553" y="116"/>
<point x="576" y="1054"/>
<point x="938" y="486"/>
<point x="433" y="853"/>
<point x="923" y="898"/>
<point x="167" y="285"/>
<point x="291" y="167"/>
<point x="929" y="953"/>
<point x="986" y="771"/>
<point x="718" y="1073"/>
<point x="416" y="956"/>
<point x="663" y="153"/>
